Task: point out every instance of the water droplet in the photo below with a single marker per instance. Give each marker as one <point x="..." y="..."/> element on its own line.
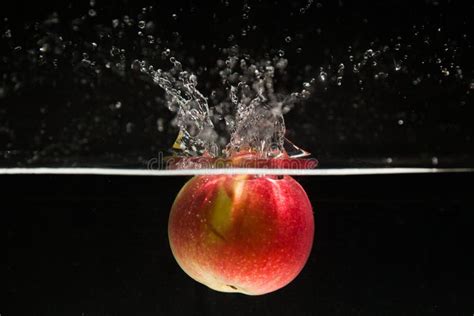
<point x="368" y="54"/>
<point x="434" y="161"/>
<point x="141" y="24"/>
<point x="281" y="53"/>
<point x="308" y="5"/>
<point x="305" y="94"/>
<point x="166" y="52"/>
<point x="136" y="65"/>
<point x="416" y="81"/>
<point x="86" y="62"/>
<point x="322" y="76"/>
<point x="92" y="13"/>
<point x="356" y="68"/>
<point x="115" y="23"/>
<point x="445" y="71"/>
<point x="400" y="122"/>
<point x="118" y="105"/>
<point x="282" y="63"/>
<point x="340" y="68"/>
<point x="129" y="127"/>
<point x="160" y="124"/>
<point x="8" y="33"/>
<point x="174" y="16"/>
<point x="288" y="39"/>
<point x="114" y="51"/>
<point x="398" y="65"/>
<point x="44" y="48"/>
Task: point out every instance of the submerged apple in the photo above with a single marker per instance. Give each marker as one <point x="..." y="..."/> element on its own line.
<point x="241" y="233"/>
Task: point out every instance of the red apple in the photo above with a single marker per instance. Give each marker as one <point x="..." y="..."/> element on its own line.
<point x="241" y="233"/>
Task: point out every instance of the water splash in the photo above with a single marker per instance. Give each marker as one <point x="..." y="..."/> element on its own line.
<point x="197" y="134"/>
<point x="251" y="108"/>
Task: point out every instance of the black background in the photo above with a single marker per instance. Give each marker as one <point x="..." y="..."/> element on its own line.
<point x="55" y="120"/>
<point x="384" y="245"/>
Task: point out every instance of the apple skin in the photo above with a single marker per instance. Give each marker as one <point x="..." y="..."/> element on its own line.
<point x="241" y="233"/>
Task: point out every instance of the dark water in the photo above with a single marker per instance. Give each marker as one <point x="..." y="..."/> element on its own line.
<point x="384" y="245"/>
